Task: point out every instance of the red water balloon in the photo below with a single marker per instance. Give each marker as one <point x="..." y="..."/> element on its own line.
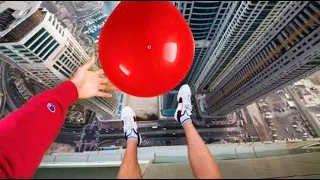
<point x="146" y="48"/>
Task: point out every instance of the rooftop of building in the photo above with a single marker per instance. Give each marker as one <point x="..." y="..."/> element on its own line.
<point x="18" y="18"/>
<point x="280" y="159"/>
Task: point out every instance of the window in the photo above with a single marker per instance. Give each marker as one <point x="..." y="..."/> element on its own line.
<point x="65" y="74"/>
<point x="7" y="52"/>
<point x="24" y="51"/>
<point x="56" y="67"/>
<point x="43" y="45"/>
<point x="39" y="41"/>
<point x="53" y="49"/>
<point x="210" y="5"/>
<point x="13" y="55"/>
<point x="3" y="48"/>
<point x="50" y="18"/>
<point x="47" y="48"/>
<point x="34" y="37"/>
<point x="29" y="55"/>
<point x="17" y="46"/>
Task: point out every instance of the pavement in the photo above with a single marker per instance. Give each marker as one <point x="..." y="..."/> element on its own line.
<point x="2" y="89"/>
<point x="304" y="112"/>
<point x="258" y="122"/>
<point x="99" y="133"/>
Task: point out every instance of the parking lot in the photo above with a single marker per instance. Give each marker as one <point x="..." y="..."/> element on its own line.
<point x="283" y="121"/>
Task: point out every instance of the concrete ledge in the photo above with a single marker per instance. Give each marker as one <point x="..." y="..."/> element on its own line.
<point x="114" y="152"/>
<point x="86" y="164"/>
<point x="245" y="152"/>
<point x="101" y="158"/>
<point x="48" y="158"/>
<point x="71" y="159"/>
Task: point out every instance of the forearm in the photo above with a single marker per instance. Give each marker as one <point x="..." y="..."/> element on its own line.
<point x="201" y="159"/>
<point x="28" y="132"/>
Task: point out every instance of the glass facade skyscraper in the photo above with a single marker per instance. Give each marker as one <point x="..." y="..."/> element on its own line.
<point x="223" y="31"/>
<point x="37" y="44"/>
<point x="288" y="51"/>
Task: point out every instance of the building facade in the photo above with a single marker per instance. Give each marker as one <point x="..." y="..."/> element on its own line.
<point x="208" y="21"/>
<point x="169" y="103"/>
<point x="40" y="46"/>
<point x="222" y="32"/>
<point x="250" y="21"/>
<point x="288" y="51"/>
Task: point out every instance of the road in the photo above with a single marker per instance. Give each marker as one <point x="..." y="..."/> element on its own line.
<point x="10" y="99"/>
<point x="94" y="135"/>
<point x="145" y="131"/>
<point x="3" y="93"/>
<point x="304" y="111"/>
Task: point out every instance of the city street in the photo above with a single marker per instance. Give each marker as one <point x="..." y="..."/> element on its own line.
<point x="283" y="122"/>
<point x="101" y="134"/>
<point x="305" y="112"/>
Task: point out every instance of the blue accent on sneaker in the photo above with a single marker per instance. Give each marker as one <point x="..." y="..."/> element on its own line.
<point x="185" y="120"/>
<point x="129" y="137"/>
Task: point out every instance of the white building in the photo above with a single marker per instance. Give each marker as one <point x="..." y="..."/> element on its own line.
<point x="32" y="39"/>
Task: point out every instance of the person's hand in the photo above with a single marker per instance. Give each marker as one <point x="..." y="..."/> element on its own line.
<point x="89" y="83"/>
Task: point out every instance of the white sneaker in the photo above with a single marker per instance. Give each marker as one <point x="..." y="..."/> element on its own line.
<point x="130" y="128"/>
<point x="184" y="108"/>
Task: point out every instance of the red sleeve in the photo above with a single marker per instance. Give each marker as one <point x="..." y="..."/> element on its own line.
<point x="27" y="133"/>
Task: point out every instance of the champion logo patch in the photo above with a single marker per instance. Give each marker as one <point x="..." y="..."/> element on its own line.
<point x="51" y="107"/>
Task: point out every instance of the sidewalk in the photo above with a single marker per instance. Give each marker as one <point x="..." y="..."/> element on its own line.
<point x="258" y="122"/>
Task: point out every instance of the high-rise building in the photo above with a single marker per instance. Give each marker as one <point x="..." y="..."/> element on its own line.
<point x="288" y="51"/>
<point x="35" y="42"/>
<point x="251" y="19"/>
<point x="208" y="21"/>
<point x="169" y="103"/>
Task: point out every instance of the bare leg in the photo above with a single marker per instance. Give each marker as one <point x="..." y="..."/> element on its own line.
<point x="129" y="168"/>
<point x="202" y="163"/>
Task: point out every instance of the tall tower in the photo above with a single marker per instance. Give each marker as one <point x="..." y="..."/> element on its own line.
<point x="288" y="51"/>
<point x="208" y="21"/>
<point x="36" y="43"/>
<point x="250" y="21"/>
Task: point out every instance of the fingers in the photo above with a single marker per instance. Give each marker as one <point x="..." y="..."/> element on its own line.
<point x="103" y="94"/>
<point x="108" y="88"/>
<point x="90" y="63"/>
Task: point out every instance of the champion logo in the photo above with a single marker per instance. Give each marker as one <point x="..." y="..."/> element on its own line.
<point x="51" y="107"/>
